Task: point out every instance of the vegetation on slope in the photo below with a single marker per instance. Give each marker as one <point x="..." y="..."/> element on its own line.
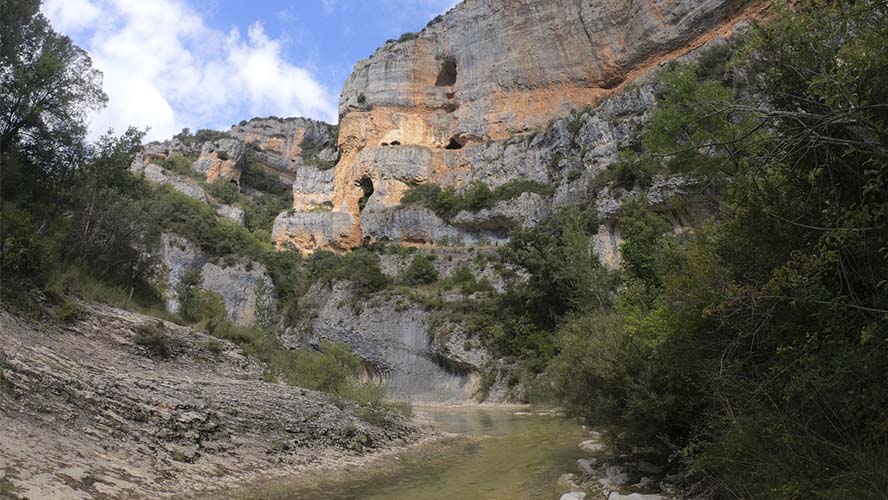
<point x="754" y="350"/>
<point x="75" y="221"/>
<point x="446" y="202"/>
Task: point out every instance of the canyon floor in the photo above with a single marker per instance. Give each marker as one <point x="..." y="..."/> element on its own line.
<point x="90" y="409"/>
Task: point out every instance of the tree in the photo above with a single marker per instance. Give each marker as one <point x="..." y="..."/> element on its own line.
<point x="47" y="87"/>
<point x="421" y="271"/>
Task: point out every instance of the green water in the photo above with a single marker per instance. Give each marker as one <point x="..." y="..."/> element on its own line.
<point x="519" y="458"/>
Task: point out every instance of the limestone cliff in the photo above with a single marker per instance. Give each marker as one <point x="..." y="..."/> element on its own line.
<point x="426" y="107"/>
<point x="289" y="145"/>
<point x="492" y="92"/>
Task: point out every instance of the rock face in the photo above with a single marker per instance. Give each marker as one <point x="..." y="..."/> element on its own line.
<point x="391" y="333"/>
<point x="286" y="145"/>
<point x="245" y="287"/>
<point x="88" y="411"/>
<point x="434" y="106"/>
<point x="221" y="160"/>
<point x="158" y="151"/>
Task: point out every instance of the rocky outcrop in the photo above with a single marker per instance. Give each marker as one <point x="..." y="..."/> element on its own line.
<point x="178" y="255"/>
<point x="391" y="333"/>
<point x="458" y="101"/>
<point x="96" y="409"/>
<point x="221" y="160"/>
<point x="185" y="185"/>
<point x="159" y="151"/>
<point x="318" y="229"/>
<point x="245" y="288"/>
<point x="288" y="144"/>
<point x="192" y="189"/>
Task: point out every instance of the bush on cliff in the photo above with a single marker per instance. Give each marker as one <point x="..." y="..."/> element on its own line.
<point x="420" y="271"/>
<point x="446" y="202"/>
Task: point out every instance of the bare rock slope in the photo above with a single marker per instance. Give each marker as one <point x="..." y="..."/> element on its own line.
<point x="86" y="411"/>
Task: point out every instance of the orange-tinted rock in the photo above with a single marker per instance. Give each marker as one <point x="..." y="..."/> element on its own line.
<point x="417" y="110"/>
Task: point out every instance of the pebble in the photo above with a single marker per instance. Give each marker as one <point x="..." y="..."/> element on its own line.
<point x="634" y="496"/>
<point x="591" y="446"/>
<point x="573" y="495"/>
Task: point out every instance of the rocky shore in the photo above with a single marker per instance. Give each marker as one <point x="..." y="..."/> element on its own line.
<point x="112" y="404"/>
<point x="606" y="475"/>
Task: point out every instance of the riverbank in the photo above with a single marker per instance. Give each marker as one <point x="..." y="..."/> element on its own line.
<point x="604" y="474"/>
<point x="486" y="452"/>
<point x="90" y="408"/>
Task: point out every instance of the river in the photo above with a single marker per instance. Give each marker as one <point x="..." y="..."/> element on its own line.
<point x="516" y="456"/>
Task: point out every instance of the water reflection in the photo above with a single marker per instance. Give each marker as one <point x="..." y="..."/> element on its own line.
<point x="520" y="458"/>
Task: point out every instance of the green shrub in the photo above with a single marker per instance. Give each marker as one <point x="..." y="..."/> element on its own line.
<point x="517" y="187"/>
<point x="225" y="192"/>
<point x="25" y="251"/>
<point x="69" y="312"/>
<point x="408" y="36"/>
<point x="464" y="279"/>
<point x="255" y="176"/>
<point x="152" y="337"/>
<point x="446" y="203"/>
<point x="179" y="164"/>
<point x="201" y="136"/>
<point x="360" y="267"/>
<point x="7" y="488"/>
<point x="421" y="271"/>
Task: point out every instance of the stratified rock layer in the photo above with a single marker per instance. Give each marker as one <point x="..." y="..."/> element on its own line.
<point x="428" y="107"/>
<point x="89" y="410"/>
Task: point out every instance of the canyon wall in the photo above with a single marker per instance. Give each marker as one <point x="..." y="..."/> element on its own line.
<point x="427" y="107"/>
<point x="495" y="91"/>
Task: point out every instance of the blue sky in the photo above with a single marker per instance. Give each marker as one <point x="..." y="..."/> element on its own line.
<point x="170" y="64"/>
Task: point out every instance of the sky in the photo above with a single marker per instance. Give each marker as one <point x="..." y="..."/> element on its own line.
<point x="172" y="64"/>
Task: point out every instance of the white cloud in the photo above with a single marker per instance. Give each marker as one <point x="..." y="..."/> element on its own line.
<point x="165" y="69"/>
<point x="71" y="16"/>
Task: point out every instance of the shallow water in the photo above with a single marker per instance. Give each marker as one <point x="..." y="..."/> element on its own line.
<point x="520" y="458"/>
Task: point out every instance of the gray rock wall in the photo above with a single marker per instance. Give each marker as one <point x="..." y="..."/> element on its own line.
<point x="392" y="334"/>
<point x="245" y="288"/>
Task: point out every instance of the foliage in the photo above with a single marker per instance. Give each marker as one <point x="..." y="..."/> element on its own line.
<point x="47" y="88"/>
<point x="464" y="279"/>
<point x="155" y="341"/>
<point x="565" y="274"/>
<point x="179" y="164"/>
<point x="360" y="267"/>
<point x="408" y="36"/>
<point x="189" y="295"/>
<point x="311" y="155"/>
<point x="477" y="196"/>
<point x="421" y="271"/>
<point x="201" y="136"/>
<point x="752" y="350"/>
<point x="255" y="176"/>
<point x="332" y="368"/>
<point x="560" y="276"/>
<point x="225" y="192"/>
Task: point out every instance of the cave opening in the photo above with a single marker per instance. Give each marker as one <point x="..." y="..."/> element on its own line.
<point x="366" y="185"/>
<point x="447" y="75"/>
<point x="453" y="144"/>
